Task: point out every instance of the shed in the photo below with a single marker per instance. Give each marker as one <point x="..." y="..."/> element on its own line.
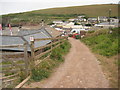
<point x="24" y="36"/>
<point x="107" y="24"/>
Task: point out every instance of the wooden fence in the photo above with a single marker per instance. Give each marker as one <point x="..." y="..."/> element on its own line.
<point x="17" y="71"/>
<point x="13" y="66"/>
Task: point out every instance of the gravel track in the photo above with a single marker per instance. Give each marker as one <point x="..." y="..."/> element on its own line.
<point x="80" y="70"/>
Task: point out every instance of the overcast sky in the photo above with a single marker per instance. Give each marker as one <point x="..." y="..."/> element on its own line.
<point x="15" y="6"/>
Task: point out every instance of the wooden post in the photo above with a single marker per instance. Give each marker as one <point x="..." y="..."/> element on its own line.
<point x="26" y="59"/>
<point x="67" y="38"/>
<point x="51" y="45"/>
<point x="60" y="40"/>
<point x="32" y="52"/>
<point x="22" y="83"/>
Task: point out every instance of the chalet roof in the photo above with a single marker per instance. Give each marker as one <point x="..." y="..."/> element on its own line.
<point x="53" y="31"/>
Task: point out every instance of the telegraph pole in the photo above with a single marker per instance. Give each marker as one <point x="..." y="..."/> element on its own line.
<point x="43" y="23"/>
<point x="109" y="15"/>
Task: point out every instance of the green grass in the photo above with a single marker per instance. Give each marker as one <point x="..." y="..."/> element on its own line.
<point x="89" y="10"/>
<point x="44" y="70"/>
<point x="60" y="51"/>
<point x="46" y="67"/>
<point x="35" y="17"/>
<point x="103" y="43"/>
<point x="91" y="31"/>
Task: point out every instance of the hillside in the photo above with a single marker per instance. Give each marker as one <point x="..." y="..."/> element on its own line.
<point x="89" y="10"/>
<point x="34" y="17"/>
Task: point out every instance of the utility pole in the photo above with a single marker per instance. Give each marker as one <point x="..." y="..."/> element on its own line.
<point x="42" y="23"/>
<point x="109" y="15"/>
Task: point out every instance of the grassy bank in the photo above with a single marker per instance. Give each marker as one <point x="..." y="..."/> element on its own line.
<point x="103" y="43"/>
<point x="46" y="67"/>
<point x="105" y="47"/>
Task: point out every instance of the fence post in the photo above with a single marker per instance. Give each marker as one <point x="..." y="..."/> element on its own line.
<point x="51" y="45"/>
<point x="26" y="59"/>
<point x="60" y="39"/>
<point x="67" y="38"/>
<point x="32" y="51"/>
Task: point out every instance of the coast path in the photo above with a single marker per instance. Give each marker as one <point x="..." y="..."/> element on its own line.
<point x="81" y="69"/>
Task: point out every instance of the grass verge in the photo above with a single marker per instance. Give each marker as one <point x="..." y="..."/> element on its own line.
<point x="46" y="67"/>
<point x="105" y="47"/>
<point x="103" y="43"/>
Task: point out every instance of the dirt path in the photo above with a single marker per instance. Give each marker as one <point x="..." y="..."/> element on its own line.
<point x="80" y="70"/>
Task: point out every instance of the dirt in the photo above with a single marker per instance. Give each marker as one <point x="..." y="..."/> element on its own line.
<point x="110" y="69"/>
<point x="81" y="69"/>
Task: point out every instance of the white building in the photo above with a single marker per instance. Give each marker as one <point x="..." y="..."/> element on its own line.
<point x="71" y="20"/>
<point x="107" y="25"/>
<point x="58" y="22"/>
<point x="102" y="19"/>
<point x="92" y="19"/>
<point x="82" y="19"/>
<point x="77" y="27"/>
<point x="114" y="20"/>
<point x="82" y="16"/>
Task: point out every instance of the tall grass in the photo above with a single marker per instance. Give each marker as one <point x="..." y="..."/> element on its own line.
<point x="104" y="43"/>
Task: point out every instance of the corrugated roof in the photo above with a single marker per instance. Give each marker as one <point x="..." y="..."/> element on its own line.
<point x="107" y="23"/>
<point x="53" y="31"/>
<point x="26" y="34"/>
